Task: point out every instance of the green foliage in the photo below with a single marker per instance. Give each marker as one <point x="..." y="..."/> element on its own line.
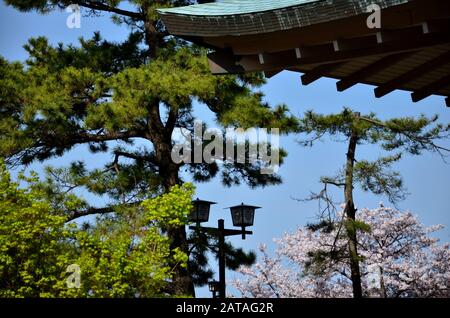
<point x="101" y="93"/>
<point x="124" y="100"/>
<point x="120" y="255"/>
<point x="31" y="240"/>
<point x="236" y="257"/>
<point x="205" y="242"/>
<point x="378" y="179"/>
<point x="402" y="135"/>
<point x="353" y="226"/>
<point x="67" y="93"/>
<point x="325" y="226"/>
<point x="170" y="209"/>
<point x="198" y="259"/>
<point x="319" y="260"/>
<point x="125" y="255"/>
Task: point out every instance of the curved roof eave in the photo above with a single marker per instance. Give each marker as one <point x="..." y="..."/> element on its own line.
<point x="202" y="21"/>
<point x="233" y="7"/>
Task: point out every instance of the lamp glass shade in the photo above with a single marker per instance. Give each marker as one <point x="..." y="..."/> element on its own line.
<point x="200" y="211"/>
<point x="249" y="216"/>
<point x="243" y="215"/>
<point x="236" y="215"/>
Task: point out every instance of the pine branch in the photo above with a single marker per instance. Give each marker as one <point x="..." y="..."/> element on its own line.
<point x="95" y="211"/>
<point x="421" y="140"/>
<point x="337" y="184"/>
<point x="119" y="153"/>
<point x="94" y="5"/>
<point x="150" y="159"/>
<point x="86" y="137"/>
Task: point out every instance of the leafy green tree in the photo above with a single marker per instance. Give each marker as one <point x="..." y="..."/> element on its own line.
<point x="31" y="233"/>
<point x="125" y="99"/>
<point x="396" y="136"/>
<point x="121" y="255"/>
<point x="126" y="255"/>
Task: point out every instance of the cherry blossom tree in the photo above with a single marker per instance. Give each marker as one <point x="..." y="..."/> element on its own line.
<point x="399" y="258"/>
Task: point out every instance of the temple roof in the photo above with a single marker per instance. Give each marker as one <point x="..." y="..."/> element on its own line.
<point x="326" y="38"/>
<point x="240" y="17"/>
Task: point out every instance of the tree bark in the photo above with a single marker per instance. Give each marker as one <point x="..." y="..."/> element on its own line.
<point x="182" y="283"/>
<point x="350" y="212"/>
<point x="383" y="293"/>
<point x="161" y="138"/>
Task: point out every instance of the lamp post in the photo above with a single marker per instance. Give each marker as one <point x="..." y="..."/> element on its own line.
<point x="242" y="215"/>
<point x="214" y="287"/>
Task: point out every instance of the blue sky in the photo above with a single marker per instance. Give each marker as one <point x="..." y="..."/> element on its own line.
<point x="426" y="177"/>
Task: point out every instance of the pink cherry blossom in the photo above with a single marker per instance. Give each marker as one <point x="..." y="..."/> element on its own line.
<point x="400" y="258"/>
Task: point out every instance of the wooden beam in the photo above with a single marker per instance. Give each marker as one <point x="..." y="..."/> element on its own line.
<point x="410" y="75"/>
<point x="261" y="58"/>
<point x="371" y="69"/>
<point x="306" y="52"/>
<point x="360" y="42"/>
<point x="288" y="59"/>
<point x="426" y="27"/>
<point x="318" y="72"/>
<point x="269" y="74"/>
<point x="223" y="62"/>
<point x="431" y="89"/>
<point x="386" y="36"/>
<point x="435" y="25"/>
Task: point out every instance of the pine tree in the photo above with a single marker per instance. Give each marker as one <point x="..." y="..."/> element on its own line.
<point x="396" y="136"/>
<point x="114" y="97"/>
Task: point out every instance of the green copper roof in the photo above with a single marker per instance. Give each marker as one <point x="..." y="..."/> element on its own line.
<point x="244" y="17"/>
<point x="232" y="7"/>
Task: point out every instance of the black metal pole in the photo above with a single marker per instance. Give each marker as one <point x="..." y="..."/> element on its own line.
<point x="222" y="287"/>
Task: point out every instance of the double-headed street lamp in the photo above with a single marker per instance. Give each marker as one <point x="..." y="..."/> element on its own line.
<point x="243" y="215"/>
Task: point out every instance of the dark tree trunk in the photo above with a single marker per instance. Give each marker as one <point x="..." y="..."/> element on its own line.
<point x="383" y="293"/>
<point x="350" y="212"/>
<point x="160" y="136"/>
<point x="182" y="284"/>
